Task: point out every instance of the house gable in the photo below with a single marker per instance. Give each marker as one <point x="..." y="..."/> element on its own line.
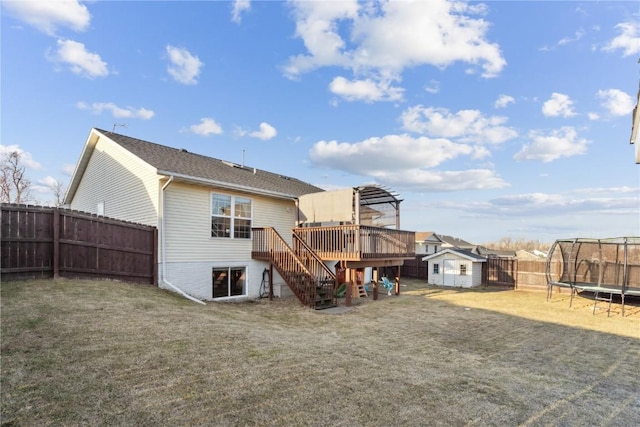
<point x="427" y="242"/>
<point x="111" y="181"/>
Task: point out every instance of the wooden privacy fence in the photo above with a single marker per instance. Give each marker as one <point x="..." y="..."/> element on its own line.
<point x="416" y="268"/>
<point x="505" y="272"/>
<point x="500" y="272"/>
<point x="46" y="242"/>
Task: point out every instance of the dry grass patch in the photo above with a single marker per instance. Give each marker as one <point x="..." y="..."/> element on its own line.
<point x="105" y="353"/>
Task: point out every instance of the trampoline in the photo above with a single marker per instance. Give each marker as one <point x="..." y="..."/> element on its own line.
<point x="604" y="267"/>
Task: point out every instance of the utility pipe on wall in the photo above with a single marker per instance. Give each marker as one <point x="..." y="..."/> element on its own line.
<point x="163" y="240"/>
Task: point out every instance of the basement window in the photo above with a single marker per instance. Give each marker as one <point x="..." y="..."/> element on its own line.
<point x="229" y="282"/>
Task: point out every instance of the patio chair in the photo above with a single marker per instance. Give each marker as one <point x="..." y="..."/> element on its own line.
<point x="387" y="284"/>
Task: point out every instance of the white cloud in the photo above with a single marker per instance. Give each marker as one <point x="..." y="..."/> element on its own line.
<point x="467" y="125"/>
<point x="564" y="41"/>
<point x="593" y="116"/>
<point x="610" y="190"/>
<point x="48" y="16"/>
<point x="430" y="180"/>
<point x="558" y="105"/>
<point x="49" y="182"/>
<point x="265" y="133"/>
<point x="68" y="169"/>
<point x="79" y="60"/>
<point x="238" y="7"/>
<point x="377" y="41"/>
<point x="567" y="40"/>
<point x="206" y="127"/>
<point x="25" y="157"/>
<point x="184" y="67"/>
<point x="365" y="90"/>
<point x="534" y="204"/>
<point x="117" y="112"/>
<point x="617" y="102"/>
<point x="559" y="143"/>
<point x="503" y="101"/>
<point x="434" y="87"/>
<point x="628" y="40"/>
<point x="403" y="161"/>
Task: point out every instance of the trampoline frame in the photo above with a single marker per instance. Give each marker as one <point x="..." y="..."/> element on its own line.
<point x="571" y="262"/>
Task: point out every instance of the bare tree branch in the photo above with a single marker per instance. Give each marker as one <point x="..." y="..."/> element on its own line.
<point x="58" y="192"/>
<point x="14" y="185"/>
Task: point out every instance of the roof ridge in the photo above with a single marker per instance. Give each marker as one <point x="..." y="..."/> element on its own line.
<point x="181" y="161"/>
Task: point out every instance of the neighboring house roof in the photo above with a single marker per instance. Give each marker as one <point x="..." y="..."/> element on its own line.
<point x="464" y="253"/>
<point x="422" y="236"/>
<point x="531" y="255"/>
<point x="455" y="242"/>
<point x="487" y="252"/>
<point x="192" y="167"/>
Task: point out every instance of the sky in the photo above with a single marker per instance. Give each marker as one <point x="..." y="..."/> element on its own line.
<point x="488" y="119"/>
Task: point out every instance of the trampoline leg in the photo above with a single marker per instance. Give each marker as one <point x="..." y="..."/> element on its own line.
<point x="597" y="298"/>
<point x="571" y="298"/>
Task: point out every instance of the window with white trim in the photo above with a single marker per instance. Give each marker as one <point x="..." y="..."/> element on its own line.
<point x="463" y="269"/>
<point x="229" y="282"/>
<point x="436" y="268"/>
<point x="230" y="216"/>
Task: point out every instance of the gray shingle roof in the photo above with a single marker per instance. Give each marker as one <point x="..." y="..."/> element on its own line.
<point x="456" y="242"/>
<point x="181" y="162"/>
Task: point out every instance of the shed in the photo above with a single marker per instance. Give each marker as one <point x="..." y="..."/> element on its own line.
<point x="455" y="267"/>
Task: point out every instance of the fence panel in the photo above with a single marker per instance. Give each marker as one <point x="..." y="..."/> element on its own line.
<point x="500" y="272"/>
<point x="44" y="242"/>
<point x="416" y="268"/>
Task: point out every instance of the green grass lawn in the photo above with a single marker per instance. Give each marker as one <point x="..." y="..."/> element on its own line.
<point x="108" y="353"/>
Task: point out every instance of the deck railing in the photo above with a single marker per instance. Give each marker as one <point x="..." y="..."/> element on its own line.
<point x="357" y="242"/>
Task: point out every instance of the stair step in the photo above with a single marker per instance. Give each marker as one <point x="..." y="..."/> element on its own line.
<point x="362" y="292"/>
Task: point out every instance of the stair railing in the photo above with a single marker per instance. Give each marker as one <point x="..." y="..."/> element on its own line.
<point x="308" y="281"/>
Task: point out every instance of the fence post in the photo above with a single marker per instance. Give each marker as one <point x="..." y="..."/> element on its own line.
<point x="56" y="243"/>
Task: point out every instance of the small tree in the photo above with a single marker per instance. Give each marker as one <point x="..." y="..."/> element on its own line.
<point x="58" y="192"/>
<point x="14" y="185"/>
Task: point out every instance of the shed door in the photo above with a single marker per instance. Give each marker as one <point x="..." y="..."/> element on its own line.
<point x="448" y="272"/>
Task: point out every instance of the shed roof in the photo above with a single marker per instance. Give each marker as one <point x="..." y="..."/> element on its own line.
<point x="463" y="253"/>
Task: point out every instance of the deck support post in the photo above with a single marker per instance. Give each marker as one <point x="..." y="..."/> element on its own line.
<point x="374" y="280"/>
<point x="349" y="279"/>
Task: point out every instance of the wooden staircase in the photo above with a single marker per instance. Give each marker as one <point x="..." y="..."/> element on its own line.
<point x="303" y="271"/>
<point x="362" y="292"/>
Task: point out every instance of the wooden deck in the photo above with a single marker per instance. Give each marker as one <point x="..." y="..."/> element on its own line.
<point x="358" y="244"/>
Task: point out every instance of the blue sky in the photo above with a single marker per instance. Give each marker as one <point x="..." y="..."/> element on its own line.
<point x="490" y="119"/>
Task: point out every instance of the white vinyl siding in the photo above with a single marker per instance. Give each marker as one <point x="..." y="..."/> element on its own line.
<point x="125" y="186"/>
<point x="188" y="225"/>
